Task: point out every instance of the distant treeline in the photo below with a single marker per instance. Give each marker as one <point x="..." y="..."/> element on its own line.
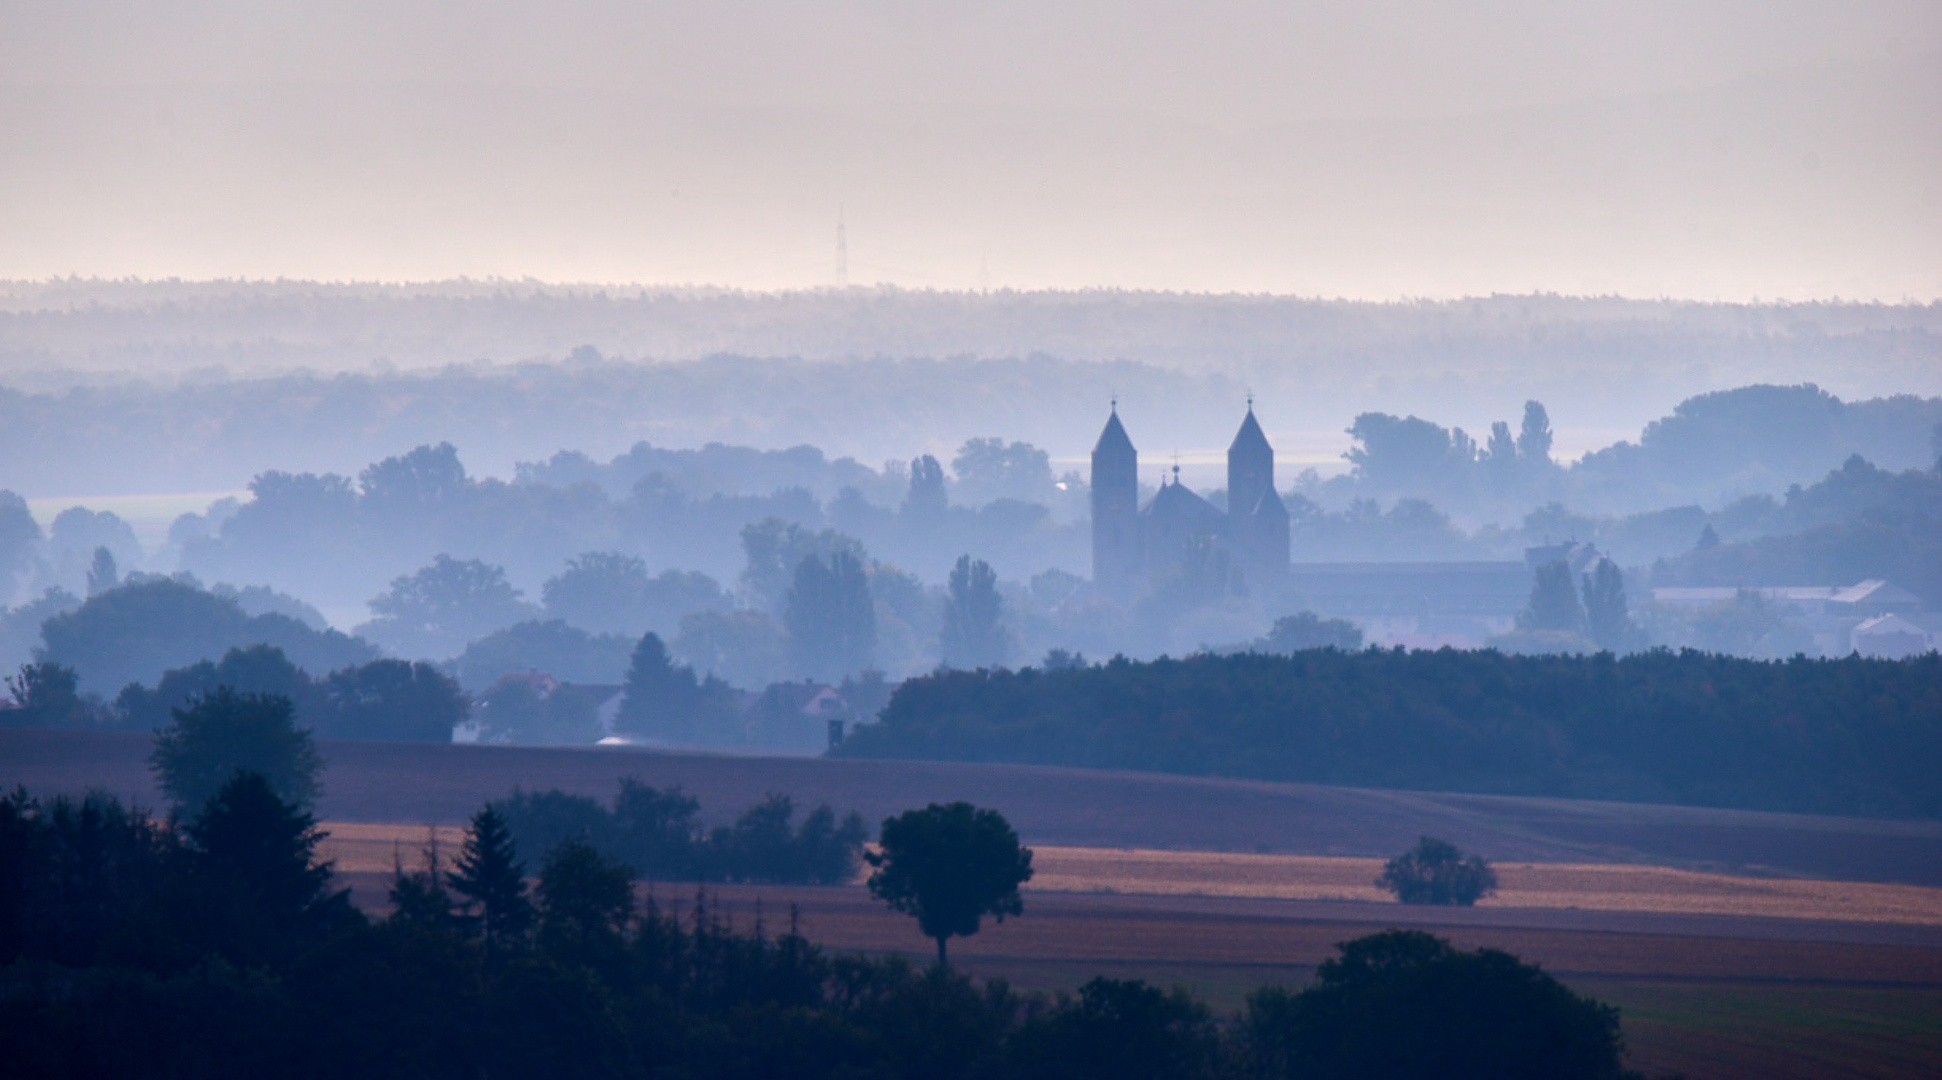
<point x="654" y="833"/>
<point x="1849" y="736"/>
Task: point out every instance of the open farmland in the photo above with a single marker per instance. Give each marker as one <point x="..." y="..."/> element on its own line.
<point x="1818" y="955"/>
<point x="396" y="783"/>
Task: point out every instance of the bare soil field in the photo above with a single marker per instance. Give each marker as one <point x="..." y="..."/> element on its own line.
<point x="442" y="785"/>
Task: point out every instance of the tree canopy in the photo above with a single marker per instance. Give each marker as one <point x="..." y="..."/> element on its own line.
<point x="949" y="865"/>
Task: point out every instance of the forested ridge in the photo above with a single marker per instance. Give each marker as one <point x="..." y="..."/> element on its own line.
<point x="1851" y="736"/>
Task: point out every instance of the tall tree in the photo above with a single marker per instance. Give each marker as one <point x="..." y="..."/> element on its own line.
<point x="972" y="636"/>
<point x="102" y="573"/>
<point x="222" y="732"/>
<point x="1500" y="455"/>
<point x="20" y="539"/>
<point x="666" y="700"/>
<point x="1534" y="438"/>
<point x="250" y="837"/>
<point x="1607" y="619"/>
<point x="1554" y="602"/>
<point x="830" y="617"/>
<point x="490" y="876"/>
<point x="926" y="503"/>
<point x="950" y="866"/>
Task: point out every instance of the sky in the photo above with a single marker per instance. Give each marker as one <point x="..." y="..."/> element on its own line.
<point x="1765" y="149"/>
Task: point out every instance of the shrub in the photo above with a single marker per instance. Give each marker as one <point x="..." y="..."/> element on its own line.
<point x="1436" y="872"/>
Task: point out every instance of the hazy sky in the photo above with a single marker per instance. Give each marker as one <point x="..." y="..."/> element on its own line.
<point x="1709" y="150"/>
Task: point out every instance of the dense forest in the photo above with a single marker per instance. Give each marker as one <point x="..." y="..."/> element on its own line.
<point x="1847" y="736"/>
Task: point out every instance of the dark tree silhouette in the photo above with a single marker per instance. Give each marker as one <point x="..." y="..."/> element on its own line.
<point x="1402" y="1004"/>
<point x="45" y="695"/>
<point x="489" y="875"/>
<point x="1436" y="872"/>
<point x="223" y="731"/>
<point x="972" y="636"/>
<point x="394" y="700"/>
<point x="247" y="835"/>
<point x="419" y="897"/>
<point x="949" y="866"/>
<point x="1120" y="1029"/>
<point x="585" y="898"/>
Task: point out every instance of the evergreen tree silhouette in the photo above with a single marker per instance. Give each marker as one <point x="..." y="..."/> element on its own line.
<point x="489" y="875"/>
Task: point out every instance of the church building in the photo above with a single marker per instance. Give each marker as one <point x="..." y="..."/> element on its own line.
<point x="1133" y="545"/>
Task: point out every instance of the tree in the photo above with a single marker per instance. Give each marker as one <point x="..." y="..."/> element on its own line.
<point x="927" y="501"/>
<point x="990" y="469"/>
<point x="949" y="866"/>
<point x="567" y="653"/>
<point x="250" y="837"/>
<point x="1554" y="602"/>
<point x="223" y="731"/>
<point x="1436" y="872"/>
<point x="1402" y="1004"/>
<point x="490" y="876"/>
<point x="137" y="632"/>
<point x="102" y="574"/>
<point x="1534" y="437"/>
<point x="1499" y="456"/>
<point x="434" y="612"/>
<point x="20" y="539"/>
<point x="419" y="898"/>
<point x="745" y="647"/>
<point x="1306" y="630"/>
<point x="1607" y="619"/>
<point x="602" y="591"/>
<point x="1120" y="1029"/>
<point x="774" y="550"/>
<point x="585" y="899"/>
<point x="830" y="618"/>
<point x="394" y="701"/>
<point x="45" y="696"/>
<point x="972" y="636"/>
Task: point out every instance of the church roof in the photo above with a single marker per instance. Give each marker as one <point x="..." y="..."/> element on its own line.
<point x="1113" y="439"/>
<point x="1250" y="436"/>
<point x="1176" y="502"/>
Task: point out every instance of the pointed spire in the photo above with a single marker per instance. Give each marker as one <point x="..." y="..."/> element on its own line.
<point x="1113" y="440"/>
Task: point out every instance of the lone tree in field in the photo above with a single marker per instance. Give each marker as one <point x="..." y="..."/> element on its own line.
<point x="1436" y="872"/>
<point x="224" y="731"/>
<point x="950" y="866"/>
<point x="488" y="874"/>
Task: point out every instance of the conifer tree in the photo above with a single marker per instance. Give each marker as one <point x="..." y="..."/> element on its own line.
<point x="490" y="876"/>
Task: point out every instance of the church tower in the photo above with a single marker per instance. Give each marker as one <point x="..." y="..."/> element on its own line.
<point x="1257" y="519"/>
<point x="1116" y="551"/>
